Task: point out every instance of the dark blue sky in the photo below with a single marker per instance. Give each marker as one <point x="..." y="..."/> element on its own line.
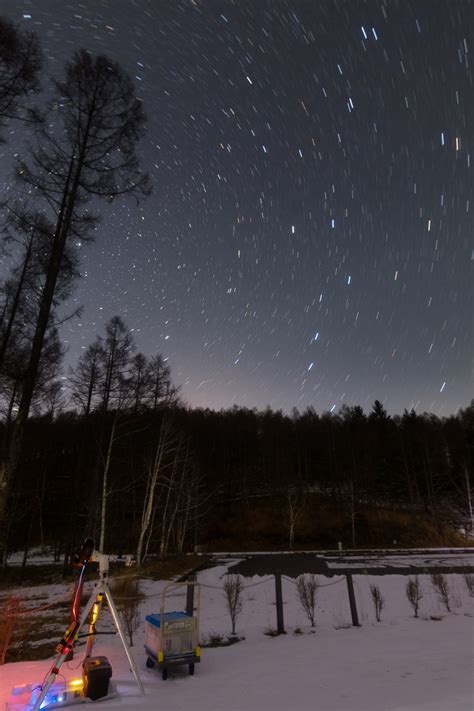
<point x="309" y="238"/>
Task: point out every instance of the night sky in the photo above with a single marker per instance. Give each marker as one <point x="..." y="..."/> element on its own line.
<point x="309" y="237"/>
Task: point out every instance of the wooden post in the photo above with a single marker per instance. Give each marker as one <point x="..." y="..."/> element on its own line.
<point x="279" y="604"/>
<point x="352" y="600"/>
<point x="190" y="596"/>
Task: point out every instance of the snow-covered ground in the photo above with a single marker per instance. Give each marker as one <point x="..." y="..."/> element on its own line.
<point x="398" y="664"/>
<point x="415" y="560"/>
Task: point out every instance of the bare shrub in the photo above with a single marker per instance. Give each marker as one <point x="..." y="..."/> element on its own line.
<point x="469" y="580"/>
<point x="342" y="626"/>
<point x="217" y="640"/>
<point x="9" y="611"/>
<point x="378" y="600"/>
<point x="456" y="599"/>
<point x="414" y="594"/>
<point x="128" y="596"/>
<point x="271" y="632"/>
<point x="307" y="587"/>
<point x="233" y="588"/>
<point x="440" y="583"/>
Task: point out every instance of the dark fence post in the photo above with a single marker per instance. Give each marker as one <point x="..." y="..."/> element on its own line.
<point x="190" y="595"/>
<point x="352" y="600"/>
<point x="279" y="604"/>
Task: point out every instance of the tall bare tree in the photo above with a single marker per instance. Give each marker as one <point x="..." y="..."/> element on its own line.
<point x="156" y="467"/>
<point x="86" y="377"/>
<point x="27" y="236"/>
<point x="114" y="351"/>
<point x="194" y="505"/>
<point x="20" y="66"/>
<point x="115" y="356"/>
<point x="86" y="149"/>
<point x="139" y="381"/>
<point x="161" y="390"/>
<point x="296" y="496"/>
<point x="46" y="389"/>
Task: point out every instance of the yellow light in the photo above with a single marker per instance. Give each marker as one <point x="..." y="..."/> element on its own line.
<point x="75" y="682"/>
<point x="95" y="613"/>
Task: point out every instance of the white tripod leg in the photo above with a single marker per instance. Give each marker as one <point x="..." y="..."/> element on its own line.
<point x="118" y="625"/>
<point x="68" y="643"/>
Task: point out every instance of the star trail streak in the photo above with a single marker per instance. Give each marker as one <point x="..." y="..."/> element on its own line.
<point x="309" y="237"/>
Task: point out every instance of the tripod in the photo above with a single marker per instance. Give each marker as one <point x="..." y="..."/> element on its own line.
<point x="94" y="605"/>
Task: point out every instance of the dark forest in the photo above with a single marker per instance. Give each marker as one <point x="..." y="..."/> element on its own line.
<point x="153" y="477"/>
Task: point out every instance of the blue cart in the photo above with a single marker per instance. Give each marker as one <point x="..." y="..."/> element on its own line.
<point x="172" y="638"/>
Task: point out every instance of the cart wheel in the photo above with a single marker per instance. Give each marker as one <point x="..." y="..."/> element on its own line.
<point x="164" y="673"/>
<point x="191" y="669"/>
<point x="150" y="663"/>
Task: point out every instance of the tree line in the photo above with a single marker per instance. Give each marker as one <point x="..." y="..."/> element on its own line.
<point x="160" y="480"/>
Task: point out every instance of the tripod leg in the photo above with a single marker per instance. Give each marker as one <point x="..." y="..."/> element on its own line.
<point x="76" y="602"/>
<point x="118" y="625"/>
<point x="65" y="646"/>
<point x="96" y="608"/>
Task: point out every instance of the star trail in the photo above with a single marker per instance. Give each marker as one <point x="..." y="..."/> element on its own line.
<point x="308" y="241"/>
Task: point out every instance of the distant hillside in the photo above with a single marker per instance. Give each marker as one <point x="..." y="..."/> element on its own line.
<point x="323" y="522"/>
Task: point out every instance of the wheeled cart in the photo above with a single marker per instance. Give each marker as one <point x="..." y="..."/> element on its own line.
<point x="172" y="638"/>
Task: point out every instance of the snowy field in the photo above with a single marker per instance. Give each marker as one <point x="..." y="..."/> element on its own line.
<point x="398" y="664"/>
<point x="415" y="560"/>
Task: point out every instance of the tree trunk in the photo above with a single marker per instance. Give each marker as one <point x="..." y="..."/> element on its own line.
<point x="148" y="505"/>
<point x="407" y="473"/>
<point x="164" y="515"/>
<point x="353" y="531"/>
<point x="16" y="300"/>
<point x="108" y="377"/>
<point x="64" y="219"/>
<point x="8" y="420"/>
<point x="156" y="393"/>
<point x="178" y="497"/>
<point x="183" y="524"/>
<point x="90" y="391"/>
<point x="151" y="528"/>
<point x="24" y="561"/>
<point x="105" y="493"/>
<point x="469" y="498"/>
<point x="291" y="536"/>
<point x="41" y="508"/>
